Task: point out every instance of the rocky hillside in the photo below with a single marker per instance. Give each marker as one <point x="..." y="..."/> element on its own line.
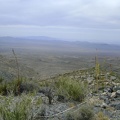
<point x="71" y="95"/>
<point x="106" y="99"/>
<point x="8" y="68"/>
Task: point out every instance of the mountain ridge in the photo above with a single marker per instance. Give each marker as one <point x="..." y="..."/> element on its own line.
<point x="48" y="43"/>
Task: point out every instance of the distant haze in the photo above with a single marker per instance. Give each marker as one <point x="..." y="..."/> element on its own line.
<point x="48" y="44"/>
<point x="74" y="20"/>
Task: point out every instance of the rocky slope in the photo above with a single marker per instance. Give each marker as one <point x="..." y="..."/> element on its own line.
<point x="106" y="99"/>
<point x="103" y="95"/>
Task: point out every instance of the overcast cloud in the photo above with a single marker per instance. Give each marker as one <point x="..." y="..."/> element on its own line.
<point x="90" y="20"/>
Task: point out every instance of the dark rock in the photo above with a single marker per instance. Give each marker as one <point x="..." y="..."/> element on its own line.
<point x="118" y="93"/>
<point x="116" y="106"/>
<point x="109" y="95"/>
<point x="104" y="105"/>
<point x="106" y="97"/>
<point x="28" y="87"/>
<point x="41" y="91"/>
<point x="118" y="98"/>
<point x="47" y="92"/>
<point x="110" y="90"/>
<point x="61" y="98"/>
<point x="107" y="101"/>
<point x="105" y="90"/>
<point x="116" y="88"/>
<point x="107" y="113"/>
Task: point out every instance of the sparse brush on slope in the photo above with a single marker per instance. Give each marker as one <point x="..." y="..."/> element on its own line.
<point x="73" y="89"/>
<point x="10" y="87"/>
<point x="17" y="87"/>
<point x="18" y="108"/>
<point x="3" y="88"/>
<point x="86" y="112"/>
<point x="101" y="116"/>
<point x="83" y="113"/>
<point x="1" y="79"/>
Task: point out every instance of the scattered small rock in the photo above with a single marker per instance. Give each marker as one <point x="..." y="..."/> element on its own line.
<point x="113" y="78"/>
<point x="113" y="95"/>
<point x="104" y="105"/>
<point x="118" y="93"/>
<point x="61" y="98"/>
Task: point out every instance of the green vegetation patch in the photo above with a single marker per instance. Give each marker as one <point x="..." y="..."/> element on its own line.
<point x="85" y="112"/>
<point x="73" y="89"/>
<point x="18" y="108"/>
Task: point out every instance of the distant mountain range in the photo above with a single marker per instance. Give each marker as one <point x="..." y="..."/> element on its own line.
<point x="49" y="43"/>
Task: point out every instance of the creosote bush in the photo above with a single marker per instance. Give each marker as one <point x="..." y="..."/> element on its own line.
<point x="7" y="87"/>
<point x="3" y="88"/>
<point x="84" y="113"/>
<point x="18" y="108"/>
<point x="1" y="79"/>
<point x="17" y="87"/>
<point x="101" y="116"/>
<point x="73" y="89"/>
<point x="70" y="116"/>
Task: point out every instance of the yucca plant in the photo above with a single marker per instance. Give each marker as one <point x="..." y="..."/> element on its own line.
<point x="17" y="65"/>
<point x="97" y="73"/>
<point x="18" y="74"/>
<point x="16" y="88"/>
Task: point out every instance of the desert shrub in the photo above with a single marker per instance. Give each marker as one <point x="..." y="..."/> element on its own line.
<point x="1" y="79"/>
<point x="11" y="86"/>
<point x="28" y="87"/>
<point x="73" y="89"/>
<point x="18" y="108"/>
<point x="101" y="116"/>
<point x="3" y="88"/>
<point x="17" y="87"/>
<point x="70" y="116"/>
<point x="84" y="113"/>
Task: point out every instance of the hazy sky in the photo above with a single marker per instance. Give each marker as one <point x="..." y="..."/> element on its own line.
<point x="90" y="20"/>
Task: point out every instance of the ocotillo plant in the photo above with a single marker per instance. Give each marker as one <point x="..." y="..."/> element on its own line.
<point x="18" y="82"/>
<point x="16" y="60"/>
<point x="97" y="70"/>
